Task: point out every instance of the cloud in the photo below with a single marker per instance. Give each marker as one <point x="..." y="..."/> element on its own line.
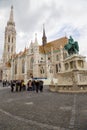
<point x="65" y="17"/>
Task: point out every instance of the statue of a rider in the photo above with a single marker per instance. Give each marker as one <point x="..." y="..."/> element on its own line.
<point x="72" y="46"/>
<point x="70" y="41"/>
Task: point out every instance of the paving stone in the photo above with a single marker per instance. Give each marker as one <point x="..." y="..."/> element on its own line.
<point x="42" y="111"/>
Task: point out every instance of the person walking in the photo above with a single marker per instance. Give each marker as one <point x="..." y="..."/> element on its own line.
<point x="37" y="85"/>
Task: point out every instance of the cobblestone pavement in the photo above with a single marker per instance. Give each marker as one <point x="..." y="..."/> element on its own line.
<point x="42" y="111"/>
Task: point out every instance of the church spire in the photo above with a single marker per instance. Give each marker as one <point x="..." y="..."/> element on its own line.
<point x="44" y="38"/>
<point x="36" y="42"/>
<point x="35" y="37"/>
<point x="11" y="18"/>
<point x="11" y="15"/>
<point x="10" y="38"/>
<point x="43" y="30"/>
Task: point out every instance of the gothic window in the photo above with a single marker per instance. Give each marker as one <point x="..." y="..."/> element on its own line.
<point x="12" y="39"/>
<point x="31" y="63"/>
<point x="8" y="38"/>
<point x="57" y="57"/>
<point x="41" y="71"/>
<point x="56" y="68"/>
<point x="16" y="68"/>
<point x="23" y="66"/>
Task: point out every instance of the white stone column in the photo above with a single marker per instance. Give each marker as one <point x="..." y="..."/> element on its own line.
<point x="61" y="58"/>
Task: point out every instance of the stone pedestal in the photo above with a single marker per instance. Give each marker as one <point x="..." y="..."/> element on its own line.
<point x="74" y="77"/>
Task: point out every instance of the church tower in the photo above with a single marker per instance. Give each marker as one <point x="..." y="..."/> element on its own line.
<point x="44" y="38"/>
<point x="10" y="38"/>
<point x="36" y="59"/>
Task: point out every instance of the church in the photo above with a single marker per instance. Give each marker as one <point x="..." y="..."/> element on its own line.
<point x="37" y="61"/>
<point x="42" y="61"/>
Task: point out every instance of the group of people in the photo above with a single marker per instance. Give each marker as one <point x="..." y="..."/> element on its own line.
<point x="5" y="83"/>
<point x="32" y="85"/>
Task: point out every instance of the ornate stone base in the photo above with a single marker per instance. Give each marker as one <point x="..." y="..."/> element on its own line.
<point x="74" y="81"/>
<point x="68" y="89"/>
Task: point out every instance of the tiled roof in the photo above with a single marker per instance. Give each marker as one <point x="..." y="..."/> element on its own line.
<point x="56" y="44"/>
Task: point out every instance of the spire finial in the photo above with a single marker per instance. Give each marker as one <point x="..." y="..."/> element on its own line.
<point x="11" y="7"/>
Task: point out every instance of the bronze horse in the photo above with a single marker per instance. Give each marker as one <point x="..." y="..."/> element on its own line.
<point x="72" y="47"/>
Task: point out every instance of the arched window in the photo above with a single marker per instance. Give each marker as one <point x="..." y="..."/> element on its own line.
<point x="12" y="39"/>
<point x="56" y="68"/>
<point x="31" y="63"/>
<point x="23" y="66"/>
<point x="57" y="57"/>
<point x="15" y="68"/>
<point x="8" y="38"/>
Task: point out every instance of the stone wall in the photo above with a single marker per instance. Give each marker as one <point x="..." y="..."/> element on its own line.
<point x="65" y="78"/>
<point x="74" y="81"/>
<point x="82" y="78"/>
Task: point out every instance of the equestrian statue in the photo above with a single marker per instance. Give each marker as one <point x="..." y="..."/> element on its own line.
<point x="72" y="46"/>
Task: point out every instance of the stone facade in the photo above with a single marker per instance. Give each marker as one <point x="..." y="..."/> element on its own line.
<point x="49" y="60"/>
<point x="38" y="61"/>
<point x="74" y="76"/>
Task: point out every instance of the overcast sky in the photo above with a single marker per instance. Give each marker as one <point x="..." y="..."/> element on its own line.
<point x="64" y="17"/>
